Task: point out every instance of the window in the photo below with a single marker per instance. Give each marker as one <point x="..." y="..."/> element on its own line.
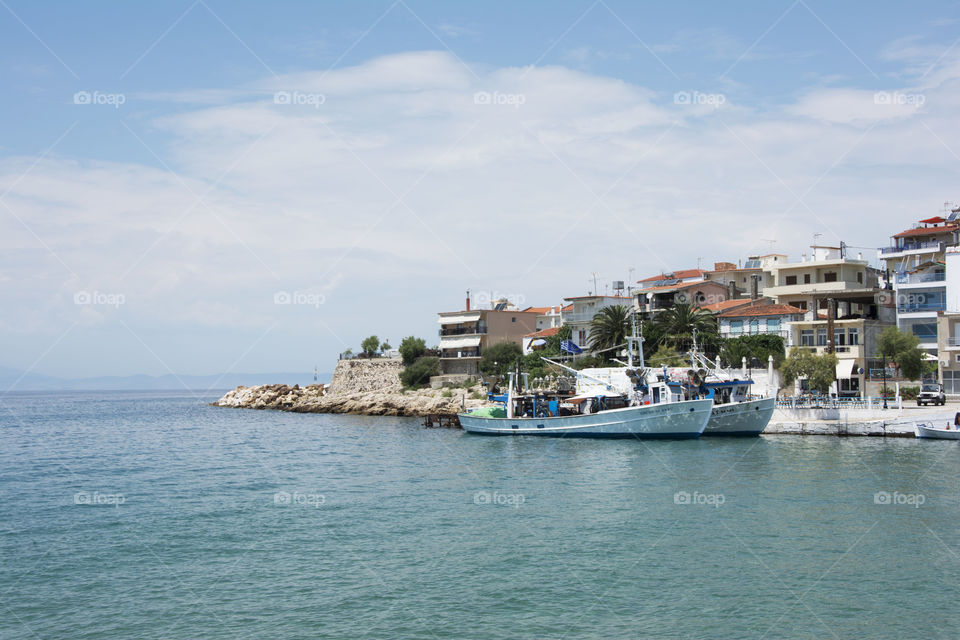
<point x="806" y="278"/>
<point x="789" y="280"/>
<point x="830" y="276"/>
<point x="582" y="338"/>
<point x="821" y="337"/>
<point x="801" y="305"/>
<point x="806" y="337"/>
<point x="773" y="325"/>
<point x="853" y="335"/>
<point x="840" y="337"/>
<point x="754" y="327"/>
<point x="860" y="277"/>
<point x="513" y="319"/>
<point x="736" y="327"/>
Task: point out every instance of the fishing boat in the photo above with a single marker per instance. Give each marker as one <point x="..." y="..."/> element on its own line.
<point x="927" y="430"/>
<point x="639" y="408"/>
<point x="736" y="412"/>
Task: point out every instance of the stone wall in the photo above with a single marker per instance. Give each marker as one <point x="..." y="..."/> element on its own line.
<point x="362" y="375"/>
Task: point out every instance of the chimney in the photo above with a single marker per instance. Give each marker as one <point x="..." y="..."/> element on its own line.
<point x="731" y="290"/>
<point x="754" y="286"/>
<point x="468" y="299"/>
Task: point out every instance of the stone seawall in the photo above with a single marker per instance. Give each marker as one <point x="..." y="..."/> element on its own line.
<point x="361" y="387"/>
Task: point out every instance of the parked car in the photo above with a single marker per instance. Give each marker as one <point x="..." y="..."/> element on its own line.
<point x="931" y="393"/>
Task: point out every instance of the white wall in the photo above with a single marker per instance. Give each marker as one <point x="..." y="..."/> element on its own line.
<point x="952" y="258"/>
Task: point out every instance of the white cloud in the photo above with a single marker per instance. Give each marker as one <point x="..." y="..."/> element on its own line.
<point x="498" y="195"/>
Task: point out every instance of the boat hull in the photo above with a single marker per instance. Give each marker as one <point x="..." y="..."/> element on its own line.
<point x="747" y="418"/>
<point x="922" y="431"/>
<point x="678" y="420"/>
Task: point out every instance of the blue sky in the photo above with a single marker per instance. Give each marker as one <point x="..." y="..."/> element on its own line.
<point x="427" y="148"/>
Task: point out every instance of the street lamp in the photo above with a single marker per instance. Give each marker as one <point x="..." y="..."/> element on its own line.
<point x="884" y="365"/>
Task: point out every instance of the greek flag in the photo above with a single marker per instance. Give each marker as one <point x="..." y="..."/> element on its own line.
<point x="569" y="347"/>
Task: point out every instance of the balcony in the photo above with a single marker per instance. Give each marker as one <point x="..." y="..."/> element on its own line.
<point x="918" y="307"/>
<point x="953" y="343"/>
<point x="454" y="354"/>
<point x="471" y="330"/>
<point x="918" y="278"/>
<point x="921" y="247"/>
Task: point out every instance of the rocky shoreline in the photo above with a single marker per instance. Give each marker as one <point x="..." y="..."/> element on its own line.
<point x="358" y="387"/>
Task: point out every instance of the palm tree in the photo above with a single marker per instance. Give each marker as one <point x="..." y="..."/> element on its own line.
<point x="677" y="323"/>
<point x="610" y="327"/>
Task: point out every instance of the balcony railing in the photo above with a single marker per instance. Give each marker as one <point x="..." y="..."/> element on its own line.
<point x="912" y="246"/>
<point x="463" y="331"/>
<point x="922" y="306"/>
<point x="916" y="278"/>
<point x="453" y="354"/>
<point x="953" y="342"/>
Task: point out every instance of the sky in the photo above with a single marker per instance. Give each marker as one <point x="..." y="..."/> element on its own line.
<point x="207" y="186"/>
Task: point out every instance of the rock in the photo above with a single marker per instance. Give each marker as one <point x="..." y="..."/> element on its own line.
<point x="363" y="387"/>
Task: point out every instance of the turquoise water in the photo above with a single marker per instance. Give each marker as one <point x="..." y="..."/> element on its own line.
<point x="137" y="515"/>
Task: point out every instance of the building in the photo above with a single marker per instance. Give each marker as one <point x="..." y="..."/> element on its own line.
<point x="465" y="334"/>
<point x="543" y="334"/>
<point x="665" y="294"/>
<point x="548" y="317"/>
<point x="948" y="325"/>
<point x="915" y="264"/>
<point x="582" y="310"/>
<point x="760" y="318"/>
<point x="844" y="310"/>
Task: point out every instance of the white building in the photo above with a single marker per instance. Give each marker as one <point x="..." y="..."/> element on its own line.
<point x="582" y="310"/>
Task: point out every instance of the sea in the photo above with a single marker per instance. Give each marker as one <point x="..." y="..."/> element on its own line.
<point x="154" y="515"/>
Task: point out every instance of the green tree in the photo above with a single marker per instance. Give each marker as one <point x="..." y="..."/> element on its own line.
<point x="819" y="370"/>
<point x="666" y="357"/>
<point x="499" y="359"/>
<point x="370" y="346"/>
<point x="675" y="326"/>
<point x="411" y="349"/>
<point x="418" y="374"/>
<point x="903" y="350"/>
<point x="385" y="346"/>
<point x="760" y="346"/>
<point x="609" y="328"/>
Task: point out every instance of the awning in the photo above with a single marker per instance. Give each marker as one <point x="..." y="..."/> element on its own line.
<point x="465" y="317"/>
<point x="459" y="343"/>
<point x="846" y="369"/>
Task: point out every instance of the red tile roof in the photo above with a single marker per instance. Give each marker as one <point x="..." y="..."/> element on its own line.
<point x="543" y="333"/>
<point x="681" y="285"/>
<point x="926" y="231"/>
<point x="677" y="275"/>
<point x="726" y="304"/>
<point x="762" y="310"/>
<point x="539" y="310"/>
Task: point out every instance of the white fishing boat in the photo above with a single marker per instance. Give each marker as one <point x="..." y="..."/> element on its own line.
<point x="635" y="409"/>
<point x="928" y="430"/>
<point x="736" y="412"/>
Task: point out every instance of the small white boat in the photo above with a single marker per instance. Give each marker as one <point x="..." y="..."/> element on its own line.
<point x="927" y="430"/>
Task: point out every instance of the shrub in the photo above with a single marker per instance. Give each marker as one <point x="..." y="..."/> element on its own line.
<point x="447" y="393"/>
<point x="909" y="393"/>
<point x="411" y="349"/>
<point x="418" y="374"/>
<point x="370" y="346"/>
<point x="500" y="358"/>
